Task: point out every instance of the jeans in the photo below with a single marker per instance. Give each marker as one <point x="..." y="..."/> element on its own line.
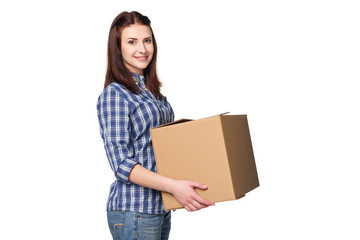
<point x="126" y="225"/>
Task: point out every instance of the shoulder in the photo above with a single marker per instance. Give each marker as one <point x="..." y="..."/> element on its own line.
<point x="115" y="93"/>
<point x="115" y="90"/>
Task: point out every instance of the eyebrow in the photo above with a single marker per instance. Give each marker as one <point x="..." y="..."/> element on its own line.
<point x="137" y="39"/>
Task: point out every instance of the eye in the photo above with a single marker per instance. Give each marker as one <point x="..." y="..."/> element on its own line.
<point x="148" y="40"/>
<point x="132" y="42"/>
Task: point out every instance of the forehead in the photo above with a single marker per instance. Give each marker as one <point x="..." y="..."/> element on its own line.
<point x="136" y="31"/>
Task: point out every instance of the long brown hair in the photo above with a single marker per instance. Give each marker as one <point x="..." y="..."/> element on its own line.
<point x="116" y="69"/>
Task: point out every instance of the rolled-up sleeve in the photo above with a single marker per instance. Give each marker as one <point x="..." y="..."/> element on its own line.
<point x="115" y="129"/>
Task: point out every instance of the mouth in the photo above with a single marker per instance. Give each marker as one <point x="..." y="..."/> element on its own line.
<point x="142" y="58"/>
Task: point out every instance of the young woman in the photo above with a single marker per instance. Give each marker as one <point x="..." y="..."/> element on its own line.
<point x="129" y="106"/>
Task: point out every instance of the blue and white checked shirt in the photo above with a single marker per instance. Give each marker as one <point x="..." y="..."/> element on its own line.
<point x="125" y="122"/>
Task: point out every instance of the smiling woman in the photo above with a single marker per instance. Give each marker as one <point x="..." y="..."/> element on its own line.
<point x="131" y="36"/>
<point x="129" y="106"/>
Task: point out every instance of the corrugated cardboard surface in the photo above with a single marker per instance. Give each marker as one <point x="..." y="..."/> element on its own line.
<point x="240" y="154"/>
<point x="206" y="151"/>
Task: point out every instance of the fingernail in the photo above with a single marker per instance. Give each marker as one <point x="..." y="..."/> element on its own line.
<point x="204" y="186"/>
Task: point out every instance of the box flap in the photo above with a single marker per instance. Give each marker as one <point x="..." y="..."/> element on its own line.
<point x="221" y="114"/>
<point x="185" y="120"/>
<point x="174" y="122"/>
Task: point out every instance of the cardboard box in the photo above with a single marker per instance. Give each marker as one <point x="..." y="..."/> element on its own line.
<point x="216" y="151"/>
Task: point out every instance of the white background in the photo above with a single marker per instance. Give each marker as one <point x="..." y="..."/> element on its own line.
<point x="291" y="66"/>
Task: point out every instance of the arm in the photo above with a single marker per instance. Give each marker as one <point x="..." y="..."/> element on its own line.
<point x="113" y="114"/>
<point x="182" y="190"/>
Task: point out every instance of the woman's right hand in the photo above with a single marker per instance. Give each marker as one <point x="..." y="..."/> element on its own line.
<point x="184" y="192"/>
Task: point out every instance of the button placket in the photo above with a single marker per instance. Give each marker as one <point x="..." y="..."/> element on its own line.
<point x="157" y="104"/>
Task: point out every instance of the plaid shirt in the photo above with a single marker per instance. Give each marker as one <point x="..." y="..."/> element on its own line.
<point x="125" y="122"/>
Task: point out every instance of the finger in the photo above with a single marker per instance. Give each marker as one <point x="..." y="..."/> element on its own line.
<point x="187" y="208"/>
<point x="203" y="201"/>
<point x="197" y="205"/>
<point x="199" y="185"/>
<point x="192" y="208"/>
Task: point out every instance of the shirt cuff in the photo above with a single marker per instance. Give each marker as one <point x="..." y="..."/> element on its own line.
<point x="124" y="170"/>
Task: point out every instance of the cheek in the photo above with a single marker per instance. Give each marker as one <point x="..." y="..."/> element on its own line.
<point x="126" y="53"/>
<point x="151" y="48"/>
<point x="127" y="49"/>
<point x="123" y="51"/>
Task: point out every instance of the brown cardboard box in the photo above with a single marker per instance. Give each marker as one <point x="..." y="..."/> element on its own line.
<point x="216" y="151"/>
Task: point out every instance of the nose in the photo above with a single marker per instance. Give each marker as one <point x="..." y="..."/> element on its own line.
<point x="142" y="48"/>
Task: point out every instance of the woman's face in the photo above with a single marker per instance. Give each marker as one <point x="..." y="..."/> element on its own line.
<point x="137" y="47"/>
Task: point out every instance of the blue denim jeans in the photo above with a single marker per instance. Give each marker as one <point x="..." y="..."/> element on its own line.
<point x="126" y="225"/>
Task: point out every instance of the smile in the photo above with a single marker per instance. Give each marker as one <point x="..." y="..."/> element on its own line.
<point x="142" y="59"/>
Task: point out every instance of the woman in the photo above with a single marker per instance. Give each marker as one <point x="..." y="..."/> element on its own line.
<point x="129" y="106"/>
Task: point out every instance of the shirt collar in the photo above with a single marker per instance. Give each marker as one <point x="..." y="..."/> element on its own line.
<point x="138" y="78"/>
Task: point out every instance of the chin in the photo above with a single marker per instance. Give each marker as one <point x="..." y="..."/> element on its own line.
<point x="142" y="66"/>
